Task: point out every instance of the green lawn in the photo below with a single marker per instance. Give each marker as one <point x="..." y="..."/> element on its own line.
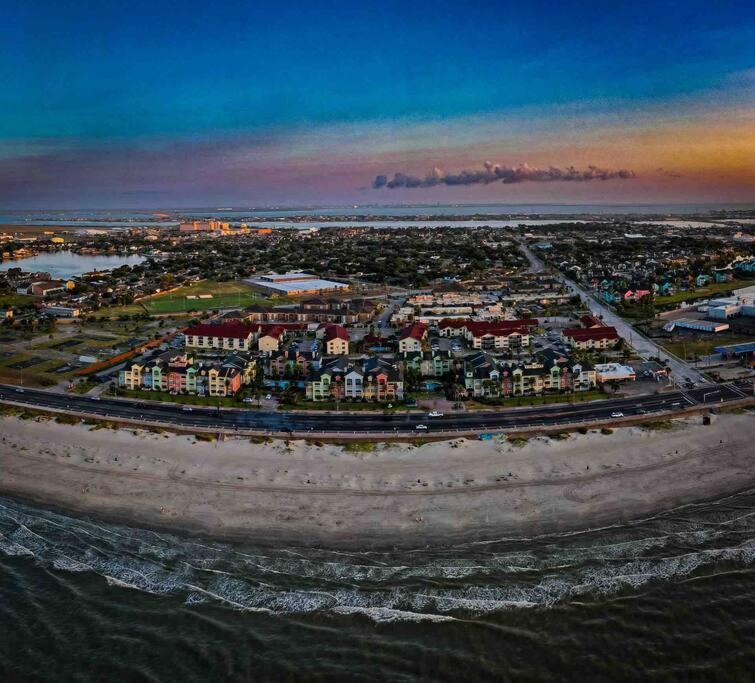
<point x="232" y="294"/>
<point x="701" y="346"/>
<point x="523" y="401"/>
<point x="10" y="300"/>
<point x="344" y="406"/>
<point x="34" y="375"/>
<point x="211" y="401"/>
<point x="701" y="293"/>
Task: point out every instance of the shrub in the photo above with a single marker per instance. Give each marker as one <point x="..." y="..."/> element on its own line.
<point x="359" y="447"/>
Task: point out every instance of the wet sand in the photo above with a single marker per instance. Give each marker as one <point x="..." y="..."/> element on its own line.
<point x="394" y="495"/>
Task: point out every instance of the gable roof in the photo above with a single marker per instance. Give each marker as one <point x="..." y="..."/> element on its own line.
<point x="584" y="334"/>
<point x="229" y="330"/>
<point x="414" y="331"/>
<point x="336" y="332"/>
<point x="500" y="328"/>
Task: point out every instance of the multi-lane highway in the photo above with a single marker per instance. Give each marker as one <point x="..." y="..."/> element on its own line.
<point x="398" y="424"/>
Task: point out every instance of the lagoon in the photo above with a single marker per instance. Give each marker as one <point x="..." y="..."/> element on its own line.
<point x="62" y="264"/>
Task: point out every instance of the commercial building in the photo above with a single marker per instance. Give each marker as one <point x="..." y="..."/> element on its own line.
<point x="294" y="284"/>
<point x="614" y="372"/>
<point x="697" y="325"/>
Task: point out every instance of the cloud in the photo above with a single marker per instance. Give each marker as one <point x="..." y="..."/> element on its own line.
<point x="493" y="173"/>
<point x="667" y="173"/>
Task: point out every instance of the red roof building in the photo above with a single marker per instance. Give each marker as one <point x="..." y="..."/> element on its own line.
<point x="590" y="320"/>
<point x="502" y="334"/>
<point x="228" y="336"/>
<point x="591" y="337"/>
<point x="410" y="338"/>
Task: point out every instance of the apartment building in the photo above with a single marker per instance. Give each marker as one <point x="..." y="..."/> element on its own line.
<point x="603" y="337"/>
<point x="370" y="379"/>
<point x="229" y="336"/>
<point x="411" y="337"/>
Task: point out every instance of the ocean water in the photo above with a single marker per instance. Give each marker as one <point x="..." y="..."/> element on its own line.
<point x="666" y="598"/>
<point x="69" y="264"/>
<point x="168" y="216"/>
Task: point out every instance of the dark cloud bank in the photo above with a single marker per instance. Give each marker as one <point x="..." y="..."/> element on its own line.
<point x="493" y="173"/>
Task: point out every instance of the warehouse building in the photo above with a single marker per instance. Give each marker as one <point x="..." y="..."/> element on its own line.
<point x="294" y="284"/>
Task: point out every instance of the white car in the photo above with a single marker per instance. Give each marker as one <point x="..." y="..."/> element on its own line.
<point x="435" y="413"/>
<point x="248" y="399"/>
<point x="187" y="409"/>
<point x="616" y="413"/>
<point x="421" y="427"/>
<point x="268" y="397"/>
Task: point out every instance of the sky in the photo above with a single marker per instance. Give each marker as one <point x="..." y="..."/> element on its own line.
<point x="196" y="103"/>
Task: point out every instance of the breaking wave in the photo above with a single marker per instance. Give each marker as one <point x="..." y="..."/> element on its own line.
<point x="462" y="582"/>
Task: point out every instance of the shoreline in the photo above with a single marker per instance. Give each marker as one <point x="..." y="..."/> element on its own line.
<point x="388" y="495"/>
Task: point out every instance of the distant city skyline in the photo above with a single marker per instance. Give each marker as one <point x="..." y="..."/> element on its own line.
<point x="375" y="103"/>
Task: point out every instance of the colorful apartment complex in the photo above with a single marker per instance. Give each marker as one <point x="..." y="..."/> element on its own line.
<point x="483" y="376"/>
<point x="181" y="375"/>
<point x="370" y="379"/>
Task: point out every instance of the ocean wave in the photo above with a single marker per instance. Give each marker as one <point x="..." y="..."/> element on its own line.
<point x="386" y="615"/>
<point x="434" y="584"/>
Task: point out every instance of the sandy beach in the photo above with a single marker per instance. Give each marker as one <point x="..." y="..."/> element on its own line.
<point x="396" y="494"/>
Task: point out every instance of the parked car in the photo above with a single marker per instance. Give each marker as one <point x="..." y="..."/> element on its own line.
<point x="187" y="409"/>
<point x="421" y="427"/>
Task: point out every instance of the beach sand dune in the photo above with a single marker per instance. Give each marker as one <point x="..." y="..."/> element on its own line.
<point x="393" y="495"/>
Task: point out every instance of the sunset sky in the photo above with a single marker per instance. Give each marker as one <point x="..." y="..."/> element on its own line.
<point x="168" y="104"/>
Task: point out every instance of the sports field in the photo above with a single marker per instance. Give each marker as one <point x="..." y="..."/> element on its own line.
<point x="202" y="296"/>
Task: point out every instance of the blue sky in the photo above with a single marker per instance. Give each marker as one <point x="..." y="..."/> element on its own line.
<point x="137" y="78"/>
